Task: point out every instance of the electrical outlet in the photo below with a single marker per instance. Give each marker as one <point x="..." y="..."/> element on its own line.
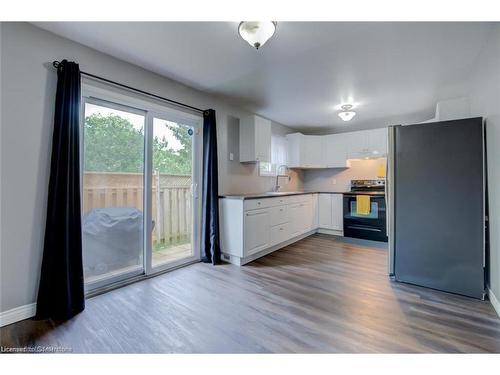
<point x="231" y="156"/>
<point x="334" y="181"/>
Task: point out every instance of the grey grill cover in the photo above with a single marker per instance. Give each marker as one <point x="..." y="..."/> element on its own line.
<point x="112" y="239"/>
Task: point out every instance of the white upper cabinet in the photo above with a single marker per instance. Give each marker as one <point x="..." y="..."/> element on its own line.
<point x="305" y="151"/>
<point x="311" y="153"/>
<point x="255" y="139"/>
<point x="377" y="141"/>
<point x="333" y="150"/>
<point x="367" y="143"/>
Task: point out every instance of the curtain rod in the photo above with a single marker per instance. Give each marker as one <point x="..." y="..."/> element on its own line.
<point x="55" y="64"/>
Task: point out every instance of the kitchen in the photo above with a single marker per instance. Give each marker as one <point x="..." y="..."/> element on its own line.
<point x="359" y="208"/>
<point x="333" y="168"/>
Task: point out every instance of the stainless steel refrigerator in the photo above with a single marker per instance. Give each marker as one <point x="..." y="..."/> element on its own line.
<point x="436" y="205"/>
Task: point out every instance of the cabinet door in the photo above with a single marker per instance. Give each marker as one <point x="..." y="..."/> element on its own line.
<point x="355" y="143"/>
<point x="262" y="139"/>
<point x="279" y="233"/>
<point x="278" y="215"/>
<point x="376" y="141"/>
<point x="335" y="150"/>
<point x="256" y="231"/>
<point x="307" y="217"/>
<point x="337" y="211"/>
<point x="294" y="213"/>
<point x="293" y="150"/>
<point x="325" y="211"/>
<point x="311" y="155"/>
<point x="314" y="211"/>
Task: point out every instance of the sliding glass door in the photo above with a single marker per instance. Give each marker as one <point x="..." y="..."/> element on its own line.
<point x="112" y="192"/>
<point x="140" y="183"/>
<point x="174" y="176"/>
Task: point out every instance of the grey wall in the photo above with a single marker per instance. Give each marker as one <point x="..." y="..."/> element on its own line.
<point x="485" y="101"/>
<point x="27" y="99"/>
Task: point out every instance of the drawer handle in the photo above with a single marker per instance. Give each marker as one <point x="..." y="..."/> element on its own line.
<point x="258" y="202"/>
<point x="254" y="213"/>
<point x="281" y="228"/>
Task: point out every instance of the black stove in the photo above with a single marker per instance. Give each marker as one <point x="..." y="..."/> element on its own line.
<point x="371" y="226"/>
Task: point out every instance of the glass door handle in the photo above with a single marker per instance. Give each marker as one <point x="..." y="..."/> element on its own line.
<point x="194" y="191"/>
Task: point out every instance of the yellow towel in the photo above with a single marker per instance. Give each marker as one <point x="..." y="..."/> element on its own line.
<point x="363" y="204"/>
<point x="381" y="171"/>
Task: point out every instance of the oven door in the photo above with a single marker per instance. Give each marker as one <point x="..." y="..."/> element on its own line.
<point x="369" y="227"/>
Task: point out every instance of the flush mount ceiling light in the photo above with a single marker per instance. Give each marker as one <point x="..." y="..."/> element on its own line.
<point x="256" y="33"/>
<point x="347" y="114"/>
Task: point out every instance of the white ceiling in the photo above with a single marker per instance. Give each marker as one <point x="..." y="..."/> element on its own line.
<point x="394" y="72"/>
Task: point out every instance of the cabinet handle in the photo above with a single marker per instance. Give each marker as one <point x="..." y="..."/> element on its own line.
<point x="281" y="228"/>
<point x="254" y="213"/>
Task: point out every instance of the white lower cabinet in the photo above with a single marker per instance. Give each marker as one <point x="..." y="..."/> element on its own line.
<point x="253" y="227"/>
<point x="330" y="211"/>
<point x="278" y="215"/>
<point x="324" y="210"/>
<point x="257" y="234"/>
<point x="337" y="212"/>
<point x="296" y="213"/>
<point x="279" y="233"/>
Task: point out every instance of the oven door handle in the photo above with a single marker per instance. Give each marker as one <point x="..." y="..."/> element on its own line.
<point x="360" y="227"/>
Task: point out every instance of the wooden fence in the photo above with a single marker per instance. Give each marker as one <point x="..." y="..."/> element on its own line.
<point x="171" y="201"/>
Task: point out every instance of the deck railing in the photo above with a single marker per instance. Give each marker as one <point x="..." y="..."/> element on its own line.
<point x="171" y="201"/>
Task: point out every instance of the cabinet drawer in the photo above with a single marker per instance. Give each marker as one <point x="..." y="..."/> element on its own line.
<point x="300" y="198"/>
<point x="279" y="233"/>
<point x="278" y="201"/>
<point x="253" y="204"/>
<point x="278" y="215"/>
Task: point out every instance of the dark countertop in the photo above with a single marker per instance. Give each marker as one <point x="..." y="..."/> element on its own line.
<point x="287" y="193"/>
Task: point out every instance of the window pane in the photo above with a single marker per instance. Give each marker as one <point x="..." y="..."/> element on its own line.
<point x="171" y="192"/>
<point x="113" y="191"/>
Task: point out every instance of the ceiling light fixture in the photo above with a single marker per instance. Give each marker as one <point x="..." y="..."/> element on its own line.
<point x="257" y="33"/>
<point x="347" y="114"/>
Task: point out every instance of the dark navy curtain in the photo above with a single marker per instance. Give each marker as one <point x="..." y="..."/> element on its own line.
<point x="61" y="294"/>
<point x="210" y="249"/>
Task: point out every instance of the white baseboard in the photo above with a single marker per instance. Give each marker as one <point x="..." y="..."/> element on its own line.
<point x="494" y="301"/>
<point x="242" y="261"/>
<point x="331" y="232"/>
<point x="16" y="314"/>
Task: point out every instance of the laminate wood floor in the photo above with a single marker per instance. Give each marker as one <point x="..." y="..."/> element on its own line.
<point x="317" y="295"/>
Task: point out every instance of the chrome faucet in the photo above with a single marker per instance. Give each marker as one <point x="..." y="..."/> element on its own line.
<point x="277" y="187"/>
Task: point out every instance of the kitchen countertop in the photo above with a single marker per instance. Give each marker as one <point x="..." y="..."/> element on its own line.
<point x="288" y="193"/>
